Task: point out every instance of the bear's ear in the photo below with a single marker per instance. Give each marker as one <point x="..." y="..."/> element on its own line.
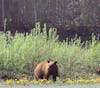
<point x="48" y="61"/>
<point x="55" y="62"/>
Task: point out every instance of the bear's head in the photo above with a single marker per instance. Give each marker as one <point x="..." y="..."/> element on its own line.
<point x="53" y="68"/>
<point x="51" y="63"/>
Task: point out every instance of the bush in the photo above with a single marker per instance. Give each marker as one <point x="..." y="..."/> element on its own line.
<point x="20" y="54"/>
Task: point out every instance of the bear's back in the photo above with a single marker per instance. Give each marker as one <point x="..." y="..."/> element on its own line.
<point x="41" y="67"/>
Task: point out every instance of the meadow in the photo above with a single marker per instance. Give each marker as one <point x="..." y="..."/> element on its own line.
<point x="19" y="54"/>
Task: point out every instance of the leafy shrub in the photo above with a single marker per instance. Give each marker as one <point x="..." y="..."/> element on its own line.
<point x="21" y="53"/>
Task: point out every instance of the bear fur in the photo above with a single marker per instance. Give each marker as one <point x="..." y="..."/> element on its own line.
<point x="46" y="69"/>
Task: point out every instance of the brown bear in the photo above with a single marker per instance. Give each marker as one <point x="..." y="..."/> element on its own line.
<point x="46" y="69"/>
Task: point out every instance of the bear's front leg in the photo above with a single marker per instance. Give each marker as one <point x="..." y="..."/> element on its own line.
<point x="46" y="76"/>
<point x="54" y="78"/>
<point x="35" y="78"/>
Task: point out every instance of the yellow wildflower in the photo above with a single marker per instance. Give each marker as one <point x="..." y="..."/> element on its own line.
<point x="69" y="81"/>
<point x="49" y="82"/>
<point x="80" y="80"/>
<point x="9" y="82"/>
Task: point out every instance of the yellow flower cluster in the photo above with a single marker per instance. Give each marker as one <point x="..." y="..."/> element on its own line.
<point x="41" y="81"/>
<point x="44" y="81"/>
<point x="22" y="81"/>
<point x="26" y="81"/>
<point x="9" y="81"/>
<point x="82" y="80"/>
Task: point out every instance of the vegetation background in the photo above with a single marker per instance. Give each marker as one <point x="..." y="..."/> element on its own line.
<point x="20" y="54"/>
<point x="22" y="48"/>
<point x="68" y="16"/>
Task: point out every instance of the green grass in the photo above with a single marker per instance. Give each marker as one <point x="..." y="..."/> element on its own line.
<point x="21" y="53"/>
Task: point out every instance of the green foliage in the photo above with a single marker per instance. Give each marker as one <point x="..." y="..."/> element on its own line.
<point x="21" y="53"/>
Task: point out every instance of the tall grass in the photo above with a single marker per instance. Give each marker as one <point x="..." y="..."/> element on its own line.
<point x="20" y="54"/>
